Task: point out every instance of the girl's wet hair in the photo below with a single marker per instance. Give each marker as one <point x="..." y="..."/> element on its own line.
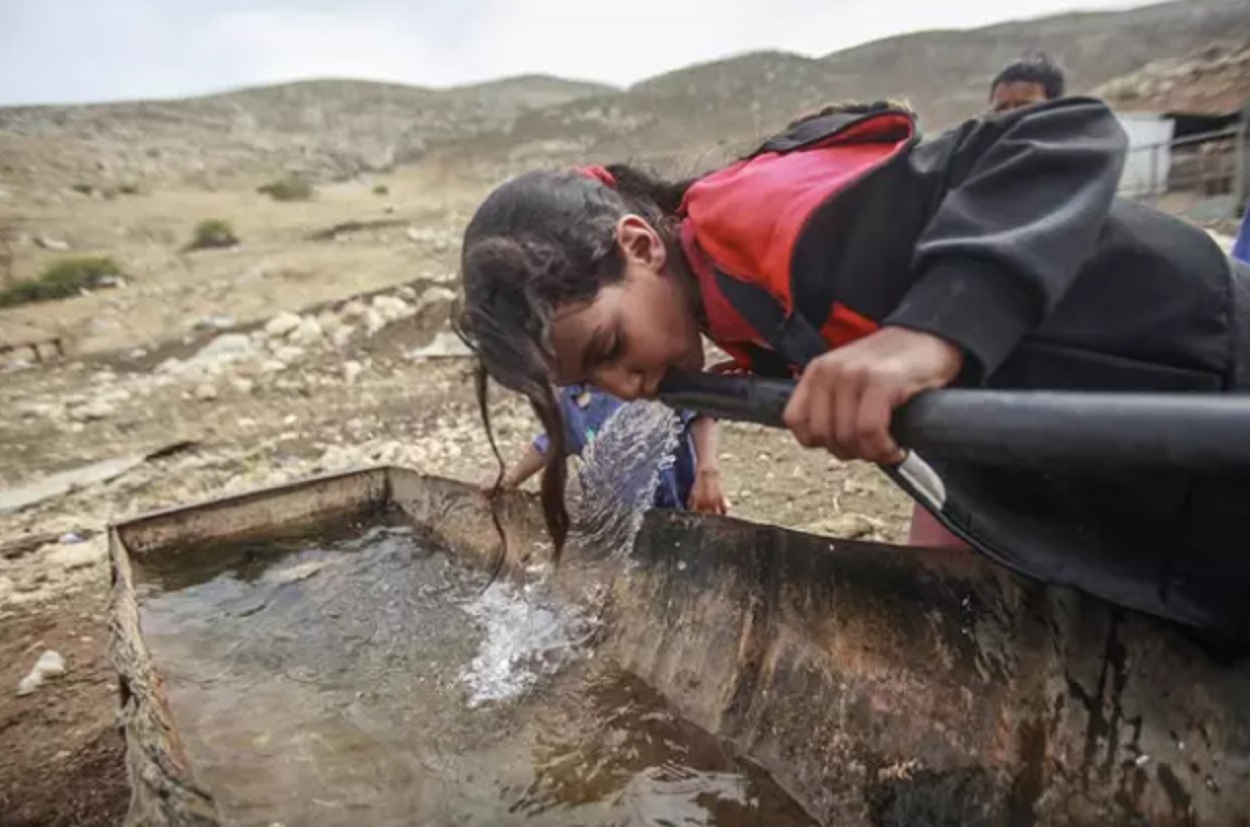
<point x="538" y="242"/>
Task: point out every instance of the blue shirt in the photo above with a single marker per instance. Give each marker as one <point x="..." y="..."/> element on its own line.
<point x="584" y="410"/>
<point x="1241" y="247"/>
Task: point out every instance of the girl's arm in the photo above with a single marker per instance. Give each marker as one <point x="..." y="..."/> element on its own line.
<point x="530" y="463"/>
<point x="1021" y="203"/>
<point x="1023" y="200"/>
<point x="706" y="494"/>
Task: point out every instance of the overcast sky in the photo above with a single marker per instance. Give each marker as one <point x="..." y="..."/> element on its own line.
<point x="90" y="50"/>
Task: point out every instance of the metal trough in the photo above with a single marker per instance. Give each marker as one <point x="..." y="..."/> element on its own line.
<point x="879" y="685"/>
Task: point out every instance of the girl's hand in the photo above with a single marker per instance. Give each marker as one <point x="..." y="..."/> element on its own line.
<point x="844" y="399"/>
<point x="706" y="494"/>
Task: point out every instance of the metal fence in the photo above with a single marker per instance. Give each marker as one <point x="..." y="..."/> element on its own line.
<point x="1204" y="173"/>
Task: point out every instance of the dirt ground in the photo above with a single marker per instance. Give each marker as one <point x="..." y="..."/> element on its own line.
<point x="341" y="388"/>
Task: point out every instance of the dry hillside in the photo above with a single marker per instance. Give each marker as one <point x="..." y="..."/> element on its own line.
<point x="1212" y="80"/>
<point x="330" y="128"/>
<point x="695" y="114"/>
<point x="692" y="115"/>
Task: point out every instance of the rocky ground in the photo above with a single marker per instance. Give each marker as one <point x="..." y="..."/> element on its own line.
<point x="221" y="372"/>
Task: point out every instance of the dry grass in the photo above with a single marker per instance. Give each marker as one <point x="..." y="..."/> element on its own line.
<point x="278" y="268"/>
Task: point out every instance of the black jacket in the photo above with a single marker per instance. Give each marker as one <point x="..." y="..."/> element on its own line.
<point x="1005" y="237"/>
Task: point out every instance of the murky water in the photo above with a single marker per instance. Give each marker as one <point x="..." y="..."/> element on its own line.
<point x="364" y="679"/>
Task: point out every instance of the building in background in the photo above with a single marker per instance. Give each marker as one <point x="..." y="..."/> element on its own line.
<point x="1187" y="122"/>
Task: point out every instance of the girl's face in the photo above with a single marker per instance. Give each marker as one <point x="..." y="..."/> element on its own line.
<point x="626" y="338"/>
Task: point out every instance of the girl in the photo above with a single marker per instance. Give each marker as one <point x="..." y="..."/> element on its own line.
<point x="874" y="266"/>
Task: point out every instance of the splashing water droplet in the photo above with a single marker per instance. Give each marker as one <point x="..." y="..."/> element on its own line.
<point x="620" y="472"/>
<point x="527" y="635"/>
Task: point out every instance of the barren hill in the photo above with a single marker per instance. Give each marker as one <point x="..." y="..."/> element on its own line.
<point x="692" y="116"/>
<point x="333" y="128"/>
<point x="1214" y="80"/>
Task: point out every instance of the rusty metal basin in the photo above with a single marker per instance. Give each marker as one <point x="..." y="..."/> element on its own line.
<point x="878" y="685"/>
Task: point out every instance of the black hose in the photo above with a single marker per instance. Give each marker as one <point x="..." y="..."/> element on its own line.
<point x="1204" y="432"/>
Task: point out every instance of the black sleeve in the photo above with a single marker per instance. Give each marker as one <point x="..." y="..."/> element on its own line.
<point x="1023" y="200"/>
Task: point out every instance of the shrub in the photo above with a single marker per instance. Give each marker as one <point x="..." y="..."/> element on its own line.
<point x="213" y="233"/>
<point x="62" y="279"/>
<point x="381" y="189"/>
<point x="128" y="189"/>
<point x="291" y="188"/>
<point x="83" y="189"/>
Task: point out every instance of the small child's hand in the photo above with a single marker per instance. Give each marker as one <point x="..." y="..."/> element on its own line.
<point x="706" y="494"/>
<point x="845" y="398"/>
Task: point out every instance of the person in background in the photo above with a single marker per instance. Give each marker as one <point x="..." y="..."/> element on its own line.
<point x="1024" y="82"/>
<point x="691" y="479"/>
<point x="1241" y="247"/>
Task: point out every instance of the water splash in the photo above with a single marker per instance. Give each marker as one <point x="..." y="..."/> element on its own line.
<point x="620" y="471"/>
<point x="526" y="637"/>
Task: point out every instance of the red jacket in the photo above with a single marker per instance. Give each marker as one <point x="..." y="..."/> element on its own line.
<point x="743" y="223"/>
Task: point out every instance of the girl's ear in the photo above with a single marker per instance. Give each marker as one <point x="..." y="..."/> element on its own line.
<point x="640" y="243"/>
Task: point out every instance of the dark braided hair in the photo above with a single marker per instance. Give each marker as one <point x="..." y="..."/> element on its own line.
<point x="540" y="241"/>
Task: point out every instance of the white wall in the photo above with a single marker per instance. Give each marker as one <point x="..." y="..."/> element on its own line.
<point x="1149" y="158"/>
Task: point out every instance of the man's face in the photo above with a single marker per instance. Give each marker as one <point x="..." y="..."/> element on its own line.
<point x="1016" y="94"/>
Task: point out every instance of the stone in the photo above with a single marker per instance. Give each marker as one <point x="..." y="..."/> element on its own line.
<point x="340" y="336"/>
<point x="28" y="684"/>
<point x="221" y="322"/>
<point x="49" y="665"/>
<point x="354" y="309"/>
<point x="373" y="322"/>
<point x="309" y="332"/>
<point x="329" y="322"/>
<point x="848" y="526"/>
<point x="206" y="392"/>
<point x="80" y="555"/>
<point x="435" y="295"/>
<point x="392" y="308"/>
<point x="171" y="367"/>
<point x="273" y="366"/>
<point x="288" y="353"/>
<point x="54" y="244"/>
<point x="39" y="410"/>
<point x="223" y="350"/>
<point x="92" y="411"/>
<point x="242" y="385"/>
<point x="351" y="371"/>
<point x="445" y="345"/>
<point x="406" y="293"/>
<point x="281" y="325"/>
